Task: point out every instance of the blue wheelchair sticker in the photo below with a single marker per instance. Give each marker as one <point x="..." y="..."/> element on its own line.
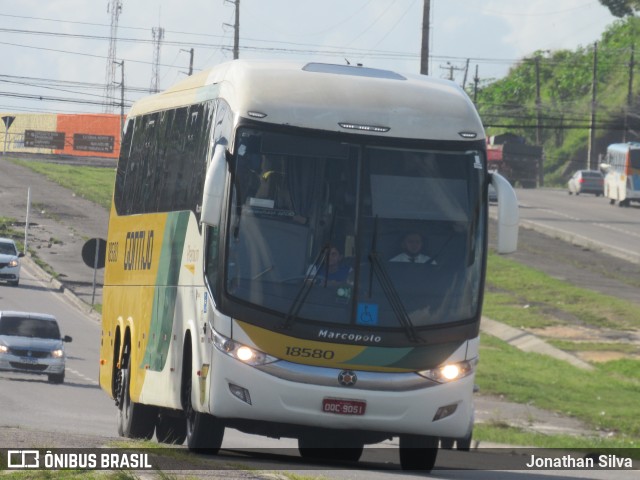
<point x="367" y="314"/>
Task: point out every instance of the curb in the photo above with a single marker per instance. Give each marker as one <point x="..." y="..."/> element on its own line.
<point x="528" y="342"/>
<point x="572" y="238"/>
<point x="56" y="285"/>
<point x="581" y="241"/>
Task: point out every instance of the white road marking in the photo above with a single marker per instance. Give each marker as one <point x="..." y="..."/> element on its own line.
<point x="83" y="376"/>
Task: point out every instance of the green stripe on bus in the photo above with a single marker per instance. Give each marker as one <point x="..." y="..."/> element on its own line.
<point x="418" y="358"/>
<point x="166" y="291"/>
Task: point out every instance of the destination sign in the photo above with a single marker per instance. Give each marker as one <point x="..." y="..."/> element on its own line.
<point x="93" y="143"/>
<point x="43" y="139"/>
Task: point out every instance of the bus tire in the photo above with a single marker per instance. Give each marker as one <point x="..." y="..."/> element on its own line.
<point x="447" y="443"/>
<point x="204" y="432"/>
<point x="464" y="444"/>
<point x="418" y="452"/>
<point x="171" y="429"/>
<point x="135" y="420"/>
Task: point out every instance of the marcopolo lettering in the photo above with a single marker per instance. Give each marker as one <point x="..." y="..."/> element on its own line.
<point x="349" y="336"/>
<point x="138" y="250"/>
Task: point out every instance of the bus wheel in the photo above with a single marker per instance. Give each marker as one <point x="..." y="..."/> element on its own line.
<point x="134" y="419"/>
<point x="418" y="452"/>
<point x="446" y="443"/>
<point x="324" y="447"/>
<point x="204" y="432"/>
<point x="464" y="444"/>
<point x="171" y="430"/>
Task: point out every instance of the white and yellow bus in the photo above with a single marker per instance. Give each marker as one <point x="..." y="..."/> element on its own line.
<point x="622" y="177"/>
<point x="221" y="303"/>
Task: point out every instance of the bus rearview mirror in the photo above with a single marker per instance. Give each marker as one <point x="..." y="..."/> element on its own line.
<point x="508" y="216"/>
<point x="214" y="183"/>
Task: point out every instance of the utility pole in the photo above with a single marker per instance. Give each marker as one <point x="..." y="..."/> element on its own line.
<point x="121" y="65"/>
<point x="466" y="73"/>
<point x="236" y="33"/>
<point x="190" y="52"/>
<point x="451" y="69"/>
<point x="191" y="62"/>
<point x="592" y="127"/>
<point x="629" y="94"/>
<point x="476" y="81"/>
<point x="424" y="52"/>
<point x="236" y="29"/>
<point x="538" y="105"/>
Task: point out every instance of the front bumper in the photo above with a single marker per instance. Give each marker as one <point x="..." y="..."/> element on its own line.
<point x="284" y="401"/>
<point x="25" y="364"/>
<point x="10" y="274"/>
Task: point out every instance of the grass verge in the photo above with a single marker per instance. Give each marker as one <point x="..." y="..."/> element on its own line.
<point x="92" y="183"/>
<point x="605" y="399"/>
<point x="525" y="297"/>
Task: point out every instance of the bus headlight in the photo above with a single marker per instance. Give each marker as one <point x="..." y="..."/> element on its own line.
<point x="451" y="371"/>
<point x="245" y="354"/>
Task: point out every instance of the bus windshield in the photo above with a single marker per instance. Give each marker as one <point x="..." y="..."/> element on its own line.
<point x="383" y="236"/>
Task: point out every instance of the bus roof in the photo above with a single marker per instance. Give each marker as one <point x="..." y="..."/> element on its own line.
<point x="330" y="97"/>
<point x="623" y="147"/>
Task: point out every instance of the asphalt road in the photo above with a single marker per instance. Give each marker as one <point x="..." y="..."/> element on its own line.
<point x="584" y="220"/>
<point x="78" y="406"/>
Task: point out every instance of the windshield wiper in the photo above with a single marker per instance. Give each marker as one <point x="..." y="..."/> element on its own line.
<point x="389" y="289"/>
<point x="305" y="288"/>
<point x="310" y="278"/>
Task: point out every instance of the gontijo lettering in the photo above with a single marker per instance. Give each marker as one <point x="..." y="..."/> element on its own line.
<point x="138" y="250"/>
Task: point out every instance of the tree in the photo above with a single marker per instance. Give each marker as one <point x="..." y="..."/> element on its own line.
<point x="622" y="8"/>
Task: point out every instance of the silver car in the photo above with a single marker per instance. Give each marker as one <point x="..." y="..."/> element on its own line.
<point x="9" y="261"/>
<point x="586" y="181"/>
<point x="31" y="343"/>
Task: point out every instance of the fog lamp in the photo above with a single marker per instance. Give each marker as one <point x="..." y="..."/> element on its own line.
<point x="240" y="392"/>
<point x="445" y="411"/>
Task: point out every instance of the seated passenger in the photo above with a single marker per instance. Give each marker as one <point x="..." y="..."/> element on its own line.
<point x="411" y="250"/>
<point x="335" y="270"/>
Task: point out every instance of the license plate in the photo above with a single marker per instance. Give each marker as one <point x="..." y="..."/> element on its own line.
<point x="29" y="360"/>
<point x="343" y="407"/>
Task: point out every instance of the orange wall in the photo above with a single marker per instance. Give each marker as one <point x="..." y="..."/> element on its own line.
<point x="89" y="124"/>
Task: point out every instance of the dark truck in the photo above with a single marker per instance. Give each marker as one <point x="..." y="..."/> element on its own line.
<point x="518" y="162"/>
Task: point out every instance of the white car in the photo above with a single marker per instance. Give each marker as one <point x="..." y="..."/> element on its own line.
<point x="9" y="261"/>
<point x="31" y="343"/>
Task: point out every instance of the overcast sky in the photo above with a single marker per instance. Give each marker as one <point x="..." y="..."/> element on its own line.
<point x="55" y="42"/>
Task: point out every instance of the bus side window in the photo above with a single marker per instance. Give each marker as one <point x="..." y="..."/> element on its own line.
<point x="222" y="127"/>
<point x="121" y="173"/>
